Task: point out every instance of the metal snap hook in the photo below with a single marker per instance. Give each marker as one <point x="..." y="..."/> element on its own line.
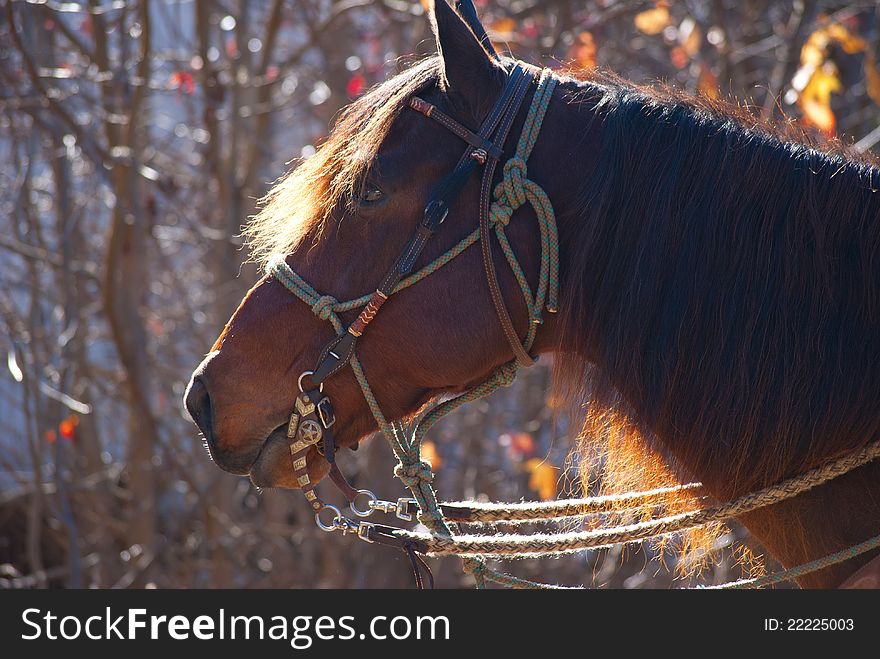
<point x="299" y="382"/>
<point x="366" y="512"/>
<point x="329" y="528"/>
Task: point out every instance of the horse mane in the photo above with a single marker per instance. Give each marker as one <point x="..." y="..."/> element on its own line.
<point x="720" y="300"/>
<point x="301" y="201"/>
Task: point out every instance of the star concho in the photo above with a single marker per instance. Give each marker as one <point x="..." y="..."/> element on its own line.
<point x="310" y="432"/>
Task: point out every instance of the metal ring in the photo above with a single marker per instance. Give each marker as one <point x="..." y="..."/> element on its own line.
<point x="299" y="382"/>
<point x="329" y="528"/>
<point x="369" y="509"/>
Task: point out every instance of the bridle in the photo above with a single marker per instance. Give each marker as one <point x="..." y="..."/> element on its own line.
<point x="311" y="422"/>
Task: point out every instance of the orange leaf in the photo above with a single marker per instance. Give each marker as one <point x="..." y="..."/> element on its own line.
<point x="849" y="42"/>
<point x="583" y="51"/>
<point x="815" y="99"/>
<point x="872" y="77"/>
<point x="690" y="36"/>
<point x="652" y="21"/>
<point x="65" y="428"/>
<point x="822" y="84"/>
<point x="523" y="443"/>
<point x="543" y="478"/>
<point x="679" y="57"/>
<point x="707" y="83"/>
<point x="820" y="116"/>
<point x="503" y="27"/>
<point x="813" y="51"/>
<point x="429" y="453"/>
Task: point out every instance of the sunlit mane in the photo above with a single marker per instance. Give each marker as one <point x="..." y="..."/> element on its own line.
<point x="750" y="218"/>
<point x="303" y="199"/>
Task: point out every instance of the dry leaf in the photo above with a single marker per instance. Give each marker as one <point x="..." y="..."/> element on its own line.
<point x="690" y="36"/>
<point x="707" y="83"/>
<point x="851" y="43"/>
<point x="822" y="84"/>
<point x="815" y="99"/>
<point x="503" y="27"/>
<point x="652" y="21"/>
<point x="872" y="76"/>
<point x="429" y="453"/>
<point x="543" y="478"/>
<point x="819" y="116"/>
<point x="679" y="57"/>
<point x="813" y="51"/>
<point x="583" y="51"/>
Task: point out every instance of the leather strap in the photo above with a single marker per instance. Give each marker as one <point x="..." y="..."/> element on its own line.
<point x="497" y="125"/>
<point x="433" y="112"/>
<point x="519" y="351"/>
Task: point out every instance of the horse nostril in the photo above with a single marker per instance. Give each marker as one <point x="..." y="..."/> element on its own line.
<point x="198" y="404"/>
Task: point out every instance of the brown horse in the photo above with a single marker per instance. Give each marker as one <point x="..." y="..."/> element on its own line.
<point x="720" y="291"/>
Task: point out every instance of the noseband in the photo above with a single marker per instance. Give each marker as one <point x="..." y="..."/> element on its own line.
<point x="313" y="418"/>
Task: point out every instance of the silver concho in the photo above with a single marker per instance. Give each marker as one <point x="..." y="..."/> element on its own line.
<point x="310" y="431"/>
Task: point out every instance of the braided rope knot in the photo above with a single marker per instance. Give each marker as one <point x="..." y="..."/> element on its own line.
<point x="510" y="193"/>
<point x="500" y="213"/>
<point x="514" y="188"/>
<point x="507" y="375"/>
<point x="323" y="306"/>
<point x="414" y="473"/>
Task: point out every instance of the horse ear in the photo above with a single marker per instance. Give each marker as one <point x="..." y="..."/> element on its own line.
<point x="467" y="68"/>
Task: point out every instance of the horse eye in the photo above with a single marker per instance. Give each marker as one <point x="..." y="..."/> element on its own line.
<point x="371" y="194"/>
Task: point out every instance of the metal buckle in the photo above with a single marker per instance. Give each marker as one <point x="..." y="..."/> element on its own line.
<point x="325" y="412"/>
<point x="364" y="531"/>
<point x="401" y="510"/>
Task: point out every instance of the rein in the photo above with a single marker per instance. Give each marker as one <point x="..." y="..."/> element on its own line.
<point x="311" y="422"/>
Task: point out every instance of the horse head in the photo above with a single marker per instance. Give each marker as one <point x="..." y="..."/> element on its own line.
<point x="340" y="220"/>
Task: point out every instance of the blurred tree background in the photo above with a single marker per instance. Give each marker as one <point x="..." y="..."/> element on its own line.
<point x="135" y="138"/>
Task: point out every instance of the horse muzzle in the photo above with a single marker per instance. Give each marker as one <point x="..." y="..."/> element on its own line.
<point x="198" y="404"/>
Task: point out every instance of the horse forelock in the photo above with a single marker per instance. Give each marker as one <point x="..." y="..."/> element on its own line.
<point x="300" y="202"/>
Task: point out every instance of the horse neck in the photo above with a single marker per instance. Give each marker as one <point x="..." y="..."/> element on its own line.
<point x="701" y="397"/>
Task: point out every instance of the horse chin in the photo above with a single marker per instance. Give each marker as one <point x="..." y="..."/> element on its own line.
<point x="273" y="467"/>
